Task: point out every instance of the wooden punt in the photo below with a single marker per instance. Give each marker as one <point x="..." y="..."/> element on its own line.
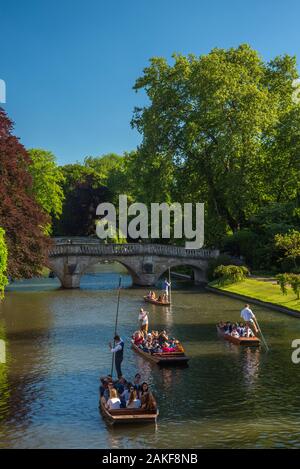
<point x="165" y="359"/>
<point x="156" y="302"/>
<point x="248" y="341"/>
<point x="127" y="415"/>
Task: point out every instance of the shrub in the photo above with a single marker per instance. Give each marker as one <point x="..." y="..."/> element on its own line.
<point x="292" y="280"/>
<point x="227" y="274"/>
<point x="223" y="259"/>
<point x="283" y="281"/>
<point x="295" y="284"/>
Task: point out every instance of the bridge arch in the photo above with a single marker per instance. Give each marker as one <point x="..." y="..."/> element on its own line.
<point x="93" y="261"/>
<point x="199" y="271"/>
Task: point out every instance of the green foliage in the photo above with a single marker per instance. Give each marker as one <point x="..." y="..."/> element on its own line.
<point x="47" y="182"/>
<point x="286" y="280"/>
<point x="223" y="259"/>
<point x="289" y="243"/>
<point x="256" y="241"/>
<point x="295" y="284"/>
<point x="228" y="274"/>
<point x="282" y="281"/>
<point x="214" y="131"/>
<point x="114" y="236"/>
<point x="3" y="263"/>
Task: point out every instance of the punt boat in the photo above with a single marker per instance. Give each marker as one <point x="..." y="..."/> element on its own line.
<point x="164" y="358"/>
<point x="156" y="302"/>
<point x="248" y="341"/>
<point x="117" y="416"/>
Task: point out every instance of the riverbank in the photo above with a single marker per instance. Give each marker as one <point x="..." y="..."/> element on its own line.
<point x="261" y="292"/>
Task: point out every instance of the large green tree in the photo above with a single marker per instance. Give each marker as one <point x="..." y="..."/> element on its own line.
<point x="47" y="180"/>
<point x="211" y="132"/>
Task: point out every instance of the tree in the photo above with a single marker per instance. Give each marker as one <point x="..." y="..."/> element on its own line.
<point x="47" y="181"/>
<point x="3" y="263"/>
<point x="295" y="284"/>
<point x="20" y="215"/>
<point x="289" y="243"/>
<point x="227" y="274"/>
<point x="292" y="280"/>
<point x="83" y="192"/>
<point x="211" y="129"/>
<point x="283" y="281"/>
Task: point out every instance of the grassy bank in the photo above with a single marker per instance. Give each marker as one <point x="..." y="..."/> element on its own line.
<point x="263" y="291"/>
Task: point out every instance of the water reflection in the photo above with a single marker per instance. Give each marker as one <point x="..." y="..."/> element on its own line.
<point x="251" y="365"/>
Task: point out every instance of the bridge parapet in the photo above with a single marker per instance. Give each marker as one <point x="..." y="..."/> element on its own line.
<point x="84" y="247"/>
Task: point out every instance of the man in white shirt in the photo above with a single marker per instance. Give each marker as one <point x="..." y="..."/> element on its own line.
<point x="166" y="287"/>
<point x="144" y="321"/>
<point x="249" y="317"/>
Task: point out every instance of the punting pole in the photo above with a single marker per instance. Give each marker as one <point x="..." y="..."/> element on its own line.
<point x="116" y="323"/>
<point x="262" y="336"/>
<point x="170" y="293"/>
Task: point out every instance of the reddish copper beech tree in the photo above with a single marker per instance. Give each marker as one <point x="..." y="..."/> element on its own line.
<point x="20" y="215"/>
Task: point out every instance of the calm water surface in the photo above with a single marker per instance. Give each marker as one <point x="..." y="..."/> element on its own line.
<point x="57" y="349"/>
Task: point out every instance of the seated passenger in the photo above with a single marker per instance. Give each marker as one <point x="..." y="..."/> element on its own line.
<point x="144" y="389"/>
<point x="126" y="393"/>
<point x="228" y="328"/>
<point x="221" y="325"/>
<point x="148" y="402"/>
<point x="241" y="329"/>
<point x="107" y="390"/>
<point x="137" y="383"/>
<point x="234" y="332"/>
<point x="162" y="337"/>
<point x="172" y="344"/>
<point x="113" y="402"/>
<point x="166" y="348"/>
<point x="133" y="401"/>
<point x="248" y="332"/>
<point x="179" y="347"/>
<point x="138" y="338"/>
<point x="103" y="385"/>
<point x="120" y="384"/>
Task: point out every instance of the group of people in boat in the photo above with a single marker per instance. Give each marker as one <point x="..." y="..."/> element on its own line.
<point x="123" y="394"/>
<point x="237" y="330"/>
<point x="162" y="298"/>
<point x="156" y="342"/>
<point x="248" y="328"/>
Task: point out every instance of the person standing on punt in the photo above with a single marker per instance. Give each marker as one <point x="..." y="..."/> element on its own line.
<point x="166" y="288"/>
<point x="144" y="321"/>
<point x="118" y="350"/>
<point x="249" y="317"/>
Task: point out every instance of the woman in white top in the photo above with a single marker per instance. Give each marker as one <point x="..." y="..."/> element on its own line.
<point x="133" y="401"/>
<point x="113" y="401"/>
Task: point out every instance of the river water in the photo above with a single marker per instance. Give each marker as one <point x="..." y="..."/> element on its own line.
<point x="228" y="397"/>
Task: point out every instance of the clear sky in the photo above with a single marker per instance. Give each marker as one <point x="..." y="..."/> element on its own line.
<point x="69" y="65"/>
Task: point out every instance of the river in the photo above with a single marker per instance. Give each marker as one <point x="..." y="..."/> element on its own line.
<point x="228" y="397"/>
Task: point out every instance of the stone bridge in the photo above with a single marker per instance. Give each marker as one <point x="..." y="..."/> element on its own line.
<point x="70" y="258"/>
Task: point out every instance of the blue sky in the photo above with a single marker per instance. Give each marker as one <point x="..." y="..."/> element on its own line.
<point x="69" y="65"/>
